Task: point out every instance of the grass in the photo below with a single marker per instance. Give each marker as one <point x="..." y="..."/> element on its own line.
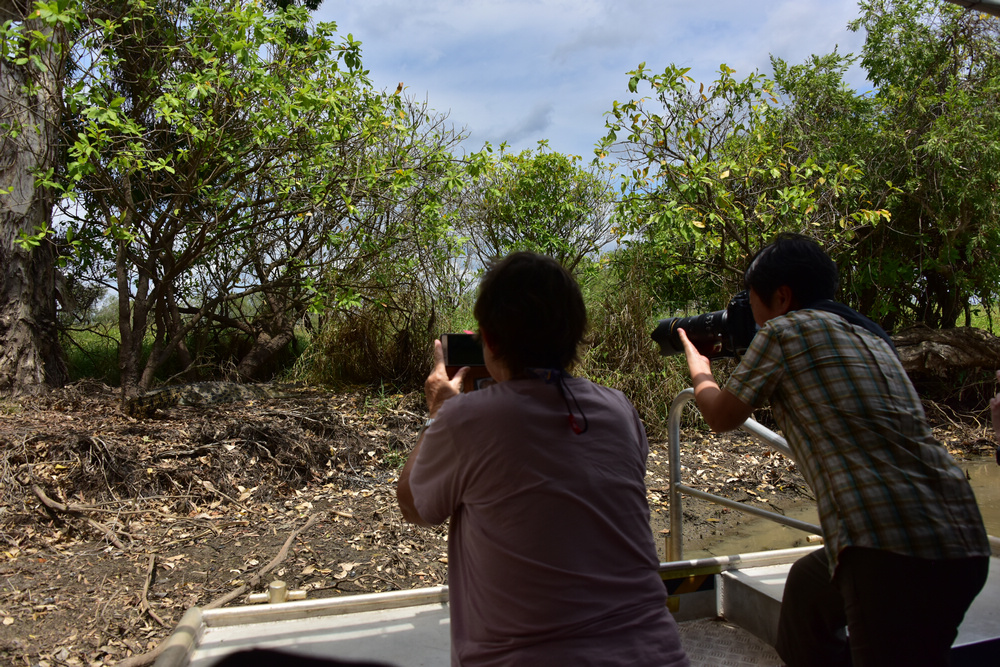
<point x="981" y="319"/>
<point x="93" y="353"/>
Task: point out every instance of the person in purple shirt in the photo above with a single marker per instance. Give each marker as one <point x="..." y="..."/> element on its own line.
<point x="541" y="475"/>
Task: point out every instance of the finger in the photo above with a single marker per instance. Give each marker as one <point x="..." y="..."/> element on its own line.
<point x="438" y="354"/>
<point x="693" y="354"/>
<point x="456" y="381"/>
<point x="688" y="345"/>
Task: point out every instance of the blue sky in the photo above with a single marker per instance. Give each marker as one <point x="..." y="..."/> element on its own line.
<point x="524" y="70"/>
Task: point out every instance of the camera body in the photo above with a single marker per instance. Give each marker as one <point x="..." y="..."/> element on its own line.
<point x="463" y="349"/>
<point x="722" y="333"/>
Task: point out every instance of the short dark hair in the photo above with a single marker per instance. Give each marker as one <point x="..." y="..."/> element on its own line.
<point x="533" y="312"/>
<point x="797" y="261"/>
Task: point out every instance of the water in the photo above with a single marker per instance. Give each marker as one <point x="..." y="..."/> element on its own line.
<point x="757" y="534"/>
<point x="984" y="476"/>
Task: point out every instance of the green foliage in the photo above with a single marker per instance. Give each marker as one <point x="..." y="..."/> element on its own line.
<point x="541" y="201"/>
<point x="92" y="353"/>
<point x="26" y="42"/>
<point x="30" y="241"/>
<point x="232" y="168"/>
<point x="906" y="174"/>
<point x="711" y="176"/>
<point x="229" y="166"/>
<point x="378" y="344"/>
<point x="936" y="153"/>
<point x="980" y="318"/>
<point x="393" y="273"/>
<point x="623" y="310"/>
<point x="408" y="279"/>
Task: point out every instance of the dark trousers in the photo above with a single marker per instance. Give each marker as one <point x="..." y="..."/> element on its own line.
<point x="898" y="610"/>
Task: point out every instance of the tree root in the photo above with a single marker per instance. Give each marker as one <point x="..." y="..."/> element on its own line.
<point x="77" y="511"/>
<point x="148" y="657"/>
<point x="256" y="579"/>
<point x="144" y="605"/>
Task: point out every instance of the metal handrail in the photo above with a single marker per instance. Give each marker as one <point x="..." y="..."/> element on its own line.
<point x="675" y="548"/>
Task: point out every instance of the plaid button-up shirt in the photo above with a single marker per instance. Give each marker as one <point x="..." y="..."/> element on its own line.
<point x="857" y="429"/>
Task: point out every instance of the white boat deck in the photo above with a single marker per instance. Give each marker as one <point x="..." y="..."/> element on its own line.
<point x="729" y="619"/>
<point x="981" y="623"/>
<point x="417" y="635"/>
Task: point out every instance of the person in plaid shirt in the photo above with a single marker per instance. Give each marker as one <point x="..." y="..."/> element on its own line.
<point x="905" y="547"/>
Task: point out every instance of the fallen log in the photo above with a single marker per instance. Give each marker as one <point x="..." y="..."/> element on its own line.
<point x="941" y="352"/>
<point x="953" y="367"/>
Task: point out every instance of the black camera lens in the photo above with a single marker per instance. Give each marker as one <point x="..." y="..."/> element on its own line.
<point x="704" y="331"/>
<point x="722" y="333"/>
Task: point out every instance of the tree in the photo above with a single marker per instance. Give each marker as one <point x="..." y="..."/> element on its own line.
<point x="905" y="174"/>
<point x="381" y="259"/>
<point x="710" y="176"/>
<point x="937" y="72"/>
<point x="545" y="201"/>
<point x="218" y="152"/>
<point x="32" y="58"/>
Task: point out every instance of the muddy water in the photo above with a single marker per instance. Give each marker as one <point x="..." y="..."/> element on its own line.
<point x="756" y="534"/>
<point x="984" y="476"/>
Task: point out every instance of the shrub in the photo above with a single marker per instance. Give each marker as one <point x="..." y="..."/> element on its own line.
<point x="623" y="312"/>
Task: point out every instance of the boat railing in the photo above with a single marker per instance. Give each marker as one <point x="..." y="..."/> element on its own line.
<point x="675" y="542"/>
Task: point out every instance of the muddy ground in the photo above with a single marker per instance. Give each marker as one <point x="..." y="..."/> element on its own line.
<point x="111" y="527"/>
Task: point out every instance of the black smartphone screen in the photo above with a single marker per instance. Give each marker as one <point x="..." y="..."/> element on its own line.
<point x="462" y="350"/>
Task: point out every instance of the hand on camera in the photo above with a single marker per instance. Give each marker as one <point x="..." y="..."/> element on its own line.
<point x="438" y="388"/>
<point x="692" y="353"/>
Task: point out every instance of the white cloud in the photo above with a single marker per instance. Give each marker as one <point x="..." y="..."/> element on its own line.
<point x="524" y="70"/>
<point x="534" y="124"/>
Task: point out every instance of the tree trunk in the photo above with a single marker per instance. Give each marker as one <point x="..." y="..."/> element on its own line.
<point x="265" y="347"/>
<point x="133" y="315"/>
<point x="30" y="359"/>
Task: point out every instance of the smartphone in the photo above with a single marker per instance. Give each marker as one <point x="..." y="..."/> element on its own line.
<point x="462" y="349"/>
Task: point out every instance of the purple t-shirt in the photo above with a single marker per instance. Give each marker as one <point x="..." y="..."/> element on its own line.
<point x="551" y="558"/>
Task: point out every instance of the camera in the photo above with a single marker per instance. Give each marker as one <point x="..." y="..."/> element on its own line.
<point x="462" y="349"/>
<point x="723" y="333"/>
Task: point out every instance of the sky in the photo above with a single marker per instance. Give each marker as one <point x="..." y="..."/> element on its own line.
<point x="520" y="71"/>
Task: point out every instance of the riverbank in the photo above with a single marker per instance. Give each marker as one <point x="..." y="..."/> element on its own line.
<point x="112" y="526"/>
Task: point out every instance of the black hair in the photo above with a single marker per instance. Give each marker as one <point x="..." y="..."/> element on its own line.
<point x="797" y="261"/>
<point x="532" y="309"/>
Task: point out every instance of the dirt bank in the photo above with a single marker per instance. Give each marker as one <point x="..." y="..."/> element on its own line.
<point x="112" y="527"/>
